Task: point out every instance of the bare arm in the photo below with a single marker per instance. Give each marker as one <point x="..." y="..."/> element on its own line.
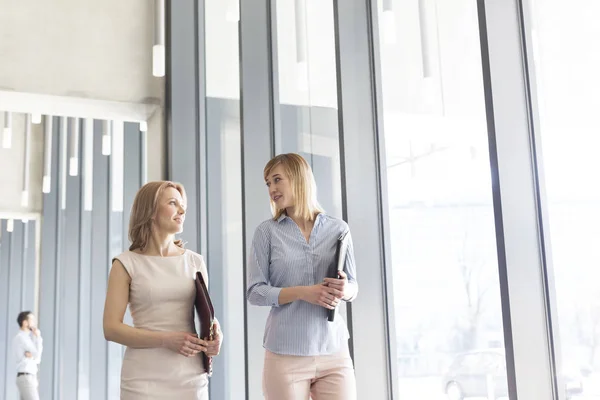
<point x="117" y="297"/>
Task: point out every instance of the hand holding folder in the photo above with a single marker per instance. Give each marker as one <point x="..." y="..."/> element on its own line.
<point x="338" y="265"/>
<point x="206" y="313"/>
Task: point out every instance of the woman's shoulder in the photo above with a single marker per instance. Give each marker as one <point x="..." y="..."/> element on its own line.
<point x="124" y="257"/>
<point x="267" y="223"/>
<point x="127" y="260"/>
<point x="334" y="223"/>
<point x="265" y="227"/>
<point x="194" y="256"/>
<point x="197" y="260"/>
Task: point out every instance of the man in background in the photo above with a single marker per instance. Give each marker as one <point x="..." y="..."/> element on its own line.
<point x="27" y="348"/>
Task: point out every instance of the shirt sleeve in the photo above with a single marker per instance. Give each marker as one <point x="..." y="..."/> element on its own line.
<point x="38" y="343"/>
<point x="33" y="346"/>
<point x="18" y="349"/>
<point x="259" y="291"/>
<point x="350" y="270"/>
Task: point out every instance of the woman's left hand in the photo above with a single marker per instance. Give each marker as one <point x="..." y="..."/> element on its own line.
<point x="214" y="346"/>
<point x="338" y="283"/>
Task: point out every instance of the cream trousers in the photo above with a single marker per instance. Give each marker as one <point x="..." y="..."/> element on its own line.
<point x="329" y="377"/>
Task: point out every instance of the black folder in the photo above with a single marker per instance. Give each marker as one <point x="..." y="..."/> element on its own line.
<point x="341" y="249"/>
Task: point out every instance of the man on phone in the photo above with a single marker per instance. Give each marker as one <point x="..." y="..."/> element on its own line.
<point x="27" y="347"/>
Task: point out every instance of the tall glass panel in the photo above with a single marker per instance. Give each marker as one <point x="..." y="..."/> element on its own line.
<point x="224" y="196"/>
<point x="565" y="63"/>
<point x="448" y="320"/>
<point x="306" y="89"/>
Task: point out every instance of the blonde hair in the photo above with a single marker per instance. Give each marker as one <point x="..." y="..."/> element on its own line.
<point x="144" y="209"/>
<point x="304" y="187"/>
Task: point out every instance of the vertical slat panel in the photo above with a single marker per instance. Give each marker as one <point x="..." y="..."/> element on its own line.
<point x="23" y="286"/>
<point x="29" y="267"/>
<point x="70" y="289"/>
<point x="15" y="260"/>
<point x="48" y="318"/>
<point x="132" y="179"/>
<point x="85" y="282"/>
<point x="99" y="265"/>
<point x="115" y="246"/>
<point x="132" y="174"/>
<point x="60" y="281"/>
<point x="4" y="314"/>
<point x="77" y="363"/>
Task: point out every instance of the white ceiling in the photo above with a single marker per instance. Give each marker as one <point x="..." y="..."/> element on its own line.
<point x="97" y="50"/>
<point x="93" y="59"/>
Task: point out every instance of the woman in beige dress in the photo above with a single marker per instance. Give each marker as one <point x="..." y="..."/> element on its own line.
<point x="156" y="278"/>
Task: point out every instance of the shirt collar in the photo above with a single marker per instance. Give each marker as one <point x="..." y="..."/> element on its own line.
<point x="284" y="216"/>
<point x="24" y="333"/>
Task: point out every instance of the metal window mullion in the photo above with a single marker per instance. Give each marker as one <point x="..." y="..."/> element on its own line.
<point x="521" y="261"/>
<point x="258" y="115"/>
<point x="359" y="140"/>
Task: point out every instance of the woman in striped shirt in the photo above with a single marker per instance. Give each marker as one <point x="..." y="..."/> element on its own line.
<point x="306" y="355"/>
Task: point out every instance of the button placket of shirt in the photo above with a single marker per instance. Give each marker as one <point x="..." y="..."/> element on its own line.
<point x="308" y="247"/>
<point x="308" y="253"/>
<point x="312" y="253"/>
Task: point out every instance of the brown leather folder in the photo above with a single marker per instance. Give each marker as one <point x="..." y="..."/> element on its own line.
<point x="206" y="313"/>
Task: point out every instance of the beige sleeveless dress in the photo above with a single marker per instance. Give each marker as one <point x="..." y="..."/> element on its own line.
<point x="161" y="298"/>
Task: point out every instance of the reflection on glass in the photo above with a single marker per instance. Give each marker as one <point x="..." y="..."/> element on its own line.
<point x="566" y="63"/>
<point x="223" y="152"/>
<point x="306" y="77"/>
<point x="444" y="266"/>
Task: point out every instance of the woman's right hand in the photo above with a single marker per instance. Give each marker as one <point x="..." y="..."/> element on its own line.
<point x="322" y="295"/>
<point x="184" y="343"/>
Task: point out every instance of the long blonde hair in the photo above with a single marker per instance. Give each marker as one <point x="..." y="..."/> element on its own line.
<point x="304" y="187"/>
<point x="144" y="209"/>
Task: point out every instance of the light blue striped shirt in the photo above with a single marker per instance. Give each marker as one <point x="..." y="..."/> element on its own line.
<point x="281" y="257"/>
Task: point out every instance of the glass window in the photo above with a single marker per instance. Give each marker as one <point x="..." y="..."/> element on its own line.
<point x="444" y="260"/>
<point x="566" y="62"/>
<point x="307" y="92"/>
<point x="224" y="192"/>
<point x="306" y="106"/>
